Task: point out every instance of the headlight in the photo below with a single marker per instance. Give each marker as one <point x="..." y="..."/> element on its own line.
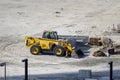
<point x="60" y="43"/>
<point x="73" y="48"/>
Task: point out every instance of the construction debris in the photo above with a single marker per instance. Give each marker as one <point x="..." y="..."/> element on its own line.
<point x="95" y="41"/>
<point x="107" y="47"/>
<point x="98" y="41"/>
<point x="99" y="54"/>
<point x="118" y="28"/>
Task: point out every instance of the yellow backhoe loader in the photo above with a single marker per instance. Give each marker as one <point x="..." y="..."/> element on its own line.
<point x="49" y="43"/>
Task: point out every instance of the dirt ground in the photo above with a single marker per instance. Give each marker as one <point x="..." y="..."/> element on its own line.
<point x="19" y="18"/>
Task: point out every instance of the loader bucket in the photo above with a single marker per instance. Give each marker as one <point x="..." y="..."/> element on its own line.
<point x="78" y="54"/>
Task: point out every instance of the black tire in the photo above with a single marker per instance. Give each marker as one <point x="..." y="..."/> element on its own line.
<point x="59" y="51"/>
<point x="35" y="50"/>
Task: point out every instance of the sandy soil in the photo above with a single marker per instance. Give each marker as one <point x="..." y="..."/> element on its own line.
<point x="19" y="18"/>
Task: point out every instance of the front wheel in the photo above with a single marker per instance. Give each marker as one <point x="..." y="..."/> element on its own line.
<point x="35" y="50"/>
<point x="59" y="51"/>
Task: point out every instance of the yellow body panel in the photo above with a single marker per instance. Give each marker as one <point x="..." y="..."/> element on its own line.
<point x="45" y="43"/>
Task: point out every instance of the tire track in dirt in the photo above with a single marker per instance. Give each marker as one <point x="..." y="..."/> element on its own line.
<point x="7" y="51"/>
<point x="13" y="51"/>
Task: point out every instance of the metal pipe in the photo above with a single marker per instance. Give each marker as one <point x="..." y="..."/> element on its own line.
<point x="111" y="70"/>
<point x="5" y="71"/>
<point x="4" y="64"/>
<point x="26" y="68"/>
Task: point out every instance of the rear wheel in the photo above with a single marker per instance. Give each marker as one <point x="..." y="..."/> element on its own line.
<point x="59" y="51"/>
<point x="35" y="50"/>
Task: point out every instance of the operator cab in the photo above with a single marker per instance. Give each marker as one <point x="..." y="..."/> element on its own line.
<point x="50" y="35"/>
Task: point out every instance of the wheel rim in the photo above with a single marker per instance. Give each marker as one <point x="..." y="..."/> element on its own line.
<point x="58" y="51"/>
<point x="35" y="50"/>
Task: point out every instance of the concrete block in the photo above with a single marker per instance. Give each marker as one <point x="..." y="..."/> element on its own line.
<point x="90" y="79"/>
<point x="85" y="73"/>
<point x="104" y="78"/>
<point x="116" y="73"/>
